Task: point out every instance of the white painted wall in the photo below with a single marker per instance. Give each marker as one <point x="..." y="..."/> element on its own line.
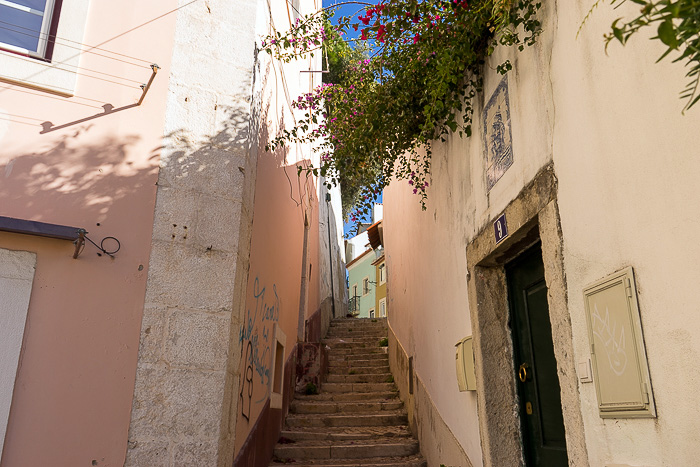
<point x="377" y="212"/>
<point x="356" y="246"/>
<point x="627" y="163"/>
<point x="16" y="277"/>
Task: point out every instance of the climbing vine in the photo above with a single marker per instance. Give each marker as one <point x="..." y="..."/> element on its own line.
<point x="416" y="84"/>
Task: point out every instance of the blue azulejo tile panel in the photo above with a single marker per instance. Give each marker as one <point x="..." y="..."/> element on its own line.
<point x="498" y="145"/>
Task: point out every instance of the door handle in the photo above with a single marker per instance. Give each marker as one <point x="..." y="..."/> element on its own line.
<point x="523" y="373"/>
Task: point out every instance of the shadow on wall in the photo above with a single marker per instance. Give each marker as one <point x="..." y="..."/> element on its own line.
<point x="283" y="198"/>
<point x="76" y="177"/>
<point x="85" y="180"/>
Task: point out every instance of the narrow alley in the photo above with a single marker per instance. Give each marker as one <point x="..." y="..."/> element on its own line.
<point x="356" y="418"/>
<point x="395" y="233"/>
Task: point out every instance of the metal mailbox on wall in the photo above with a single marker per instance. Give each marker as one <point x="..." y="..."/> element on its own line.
<point x="464" y="360"/>
<point x="620" y="369"/>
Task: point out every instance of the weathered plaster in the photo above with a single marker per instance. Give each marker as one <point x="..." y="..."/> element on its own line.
<point x="531" y="216"/>
<point x="437" y="442"/>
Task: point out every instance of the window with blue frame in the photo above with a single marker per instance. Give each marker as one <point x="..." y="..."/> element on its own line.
<point x="25" y="26"/>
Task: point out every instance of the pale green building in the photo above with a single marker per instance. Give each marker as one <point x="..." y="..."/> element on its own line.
<point x="362" y="285"/>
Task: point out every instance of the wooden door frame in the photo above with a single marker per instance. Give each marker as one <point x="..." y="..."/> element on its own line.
<point x="531" y="217"/>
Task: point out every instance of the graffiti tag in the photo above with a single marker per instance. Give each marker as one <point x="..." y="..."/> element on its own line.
<point x="257" y="330"/>
<point x="613" y="340"/>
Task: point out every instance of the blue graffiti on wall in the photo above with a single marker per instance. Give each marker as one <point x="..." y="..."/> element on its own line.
<point x="257" y="330"/>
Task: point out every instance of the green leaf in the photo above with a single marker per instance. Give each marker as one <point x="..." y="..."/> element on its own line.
<point x="667" y="34"/>
<point x="617" y="32"/>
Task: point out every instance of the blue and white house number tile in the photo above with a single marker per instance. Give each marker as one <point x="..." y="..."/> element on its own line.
<point x="500" y="228"/>
<point x="498" y="147"/>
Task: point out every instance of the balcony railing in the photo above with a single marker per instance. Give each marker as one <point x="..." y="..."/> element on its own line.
<point x="354" y="305"/>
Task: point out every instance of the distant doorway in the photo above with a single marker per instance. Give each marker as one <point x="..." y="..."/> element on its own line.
<point x="542" y="422"/>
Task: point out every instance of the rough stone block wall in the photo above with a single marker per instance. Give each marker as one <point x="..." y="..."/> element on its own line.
<point x="185" y="395"/>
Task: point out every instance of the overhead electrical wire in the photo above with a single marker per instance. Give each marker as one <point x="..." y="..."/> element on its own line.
<point x="17" y="121"/>
<point x="31" y="60"/>
<point x="62" y="99"/>
<point x="22" y="116"/>
<point x="84" y="48"/>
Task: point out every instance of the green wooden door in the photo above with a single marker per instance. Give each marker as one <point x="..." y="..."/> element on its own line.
<point x="535" y="365"/>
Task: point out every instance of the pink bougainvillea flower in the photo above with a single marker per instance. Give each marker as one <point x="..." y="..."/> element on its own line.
<point x="381" y="33"/>
<point x="364" y="35"/>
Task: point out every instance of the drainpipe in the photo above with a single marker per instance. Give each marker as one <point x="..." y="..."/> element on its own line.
<point x="330" y="251"/>
<point x="304" y="280"/>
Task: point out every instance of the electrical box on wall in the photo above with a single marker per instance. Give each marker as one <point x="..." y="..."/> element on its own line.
<point x="620" y="370"/>
<point x="464" y="358"/>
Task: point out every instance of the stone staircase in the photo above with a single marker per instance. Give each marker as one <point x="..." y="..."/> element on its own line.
<point x="357" y="418"/>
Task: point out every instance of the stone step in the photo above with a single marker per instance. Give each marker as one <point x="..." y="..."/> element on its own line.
<point x="412" y="461"/>
<point x="349" y="396"/>
<point x="353" y="345"/>
<point x="359" y="387"/>
<point x="357" y="370"/>
<point x="394" y="417"/>
<point x="359" y="360"/>
<point x="359" y="322"/>
<point x="361" y="378"/>
<point x="334" y="333"/>
<point x="329" y="407"/>
<point x="357" y="327"/>
<point x="356" y="351"/>
<point x="344" y="433"/>
<point x="343" y="361"/>
<point x="352" y="341"/>
<point x="361" y="331"/>
<point x="381" y="447"/>
<point x="358" y="418"/>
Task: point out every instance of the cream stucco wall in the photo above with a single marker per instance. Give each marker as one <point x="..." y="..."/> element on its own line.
<point x="625" y="158"/>
<point x="627" y="163"/>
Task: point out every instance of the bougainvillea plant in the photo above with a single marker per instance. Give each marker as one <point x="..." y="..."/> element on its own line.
<point x="415" y="85"/>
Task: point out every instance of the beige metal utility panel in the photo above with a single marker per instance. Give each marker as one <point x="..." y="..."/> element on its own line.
<point x="620" y="370"/>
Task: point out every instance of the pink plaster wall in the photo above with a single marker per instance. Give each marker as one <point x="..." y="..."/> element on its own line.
<point x="74" y="387"/>
<point x="275" y="265"/>
<point x="281" y="200"/>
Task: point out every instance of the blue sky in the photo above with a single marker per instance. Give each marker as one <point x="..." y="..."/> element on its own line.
<point x="350" y="10"/>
